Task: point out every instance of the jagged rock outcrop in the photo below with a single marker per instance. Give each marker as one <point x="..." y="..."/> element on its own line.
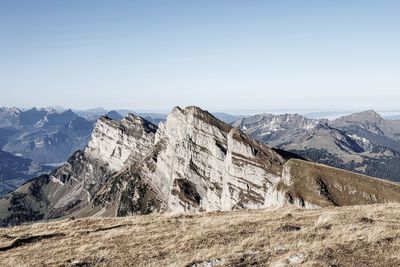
<point x="203" y="164"/>
<point x="113" y="142"/>
<point x="193" y="162"/>
<point x="72" y="187"/>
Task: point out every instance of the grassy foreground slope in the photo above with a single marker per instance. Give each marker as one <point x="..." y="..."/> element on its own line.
<point x="345" y="236"/>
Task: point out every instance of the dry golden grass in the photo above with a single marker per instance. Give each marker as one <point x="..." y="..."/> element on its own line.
<point x="322" y="185"/>
<point x="346" y="236"/>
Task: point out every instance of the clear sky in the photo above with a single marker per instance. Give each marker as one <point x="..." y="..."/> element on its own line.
<point x="220" y="55"/>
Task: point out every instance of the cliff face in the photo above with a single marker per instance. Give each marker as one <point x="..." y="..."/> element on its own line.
<point x="71" y="188"/>
<point x="113" y="142"/>
<point x="199" y="163"/>
<point x="203" y="164"/>
<point x="192" y="162"/>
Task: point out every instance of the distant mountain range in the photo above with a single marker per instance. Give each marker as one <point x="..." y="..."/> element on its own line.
<point x="363" y="142"/>
<point x="44" y="138"/>
<point x="42" y="135"/>
<point x="154" y="117"/>
<point x="192" y="162"/>
<point x="31" y="141"/>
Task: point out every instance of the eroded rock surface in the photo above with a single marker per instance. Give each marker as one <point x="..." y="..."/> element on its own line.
<point x="192" y="162"/>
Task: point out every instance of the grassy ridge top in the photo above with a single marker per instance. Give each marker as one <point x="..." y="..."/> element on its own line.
<point x="345" y="236"/>
<point x="324" y="186"/>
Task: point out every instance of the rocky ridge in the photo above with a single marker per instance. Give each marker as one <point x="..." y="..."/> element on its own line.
<point x="193" y="162"/>
<point x="9" y="117"/>
<point x="362" y="142"/>
<point x="44" y="136"/>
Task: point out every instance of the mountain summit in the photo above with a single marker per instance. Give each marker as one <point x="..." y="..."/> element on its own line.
<point x="363" y="142"/>
<point x="365" y="116"/>
<point x="192" y="162"/>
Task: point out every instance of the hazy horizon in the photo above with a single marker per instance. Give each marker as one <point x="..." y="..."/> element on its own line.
<point x="153" y="55"/>
<point x="309" y="113"/>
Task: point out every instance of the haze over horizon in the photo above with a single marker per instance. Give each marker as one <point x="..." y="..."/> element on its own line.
<point x="153" y="55"/>
<point x="161" y="113"/>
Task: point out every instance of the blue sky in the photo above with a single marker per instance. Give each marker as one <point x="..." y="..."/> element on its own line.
<point x="220" y="55"/>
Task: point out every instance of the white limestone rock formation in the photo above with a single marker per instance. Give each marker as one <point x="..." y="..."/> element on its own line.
<point x="207" y="165"/>
<point x="199" y="163"/>
<point x="193" y="162"/>
<point x="113" y="142"/>
<point x="72" y="187"/>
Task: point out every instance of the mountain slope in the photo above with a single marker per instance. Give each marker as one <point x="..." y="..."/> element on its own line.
<point x="324" y="185"/>
<point x="72" y="186"/>
<point x="345" y="236"/>
<point x="362" y="142"/>
<point x="50" y="140"/>
<point x="16" y="170"/>
<point x="192" y="162"/>
<point x="56" y="119"/>
<point x="29" y="118"/>
<point x="295" y="132"/>
<point x="9" y="117"/>
<point x="372" y="122"/>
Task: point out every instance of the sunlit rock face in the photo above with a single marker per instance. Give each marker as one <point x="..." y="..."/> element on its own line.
<point x="193" y="162"/>
<point x="203" y="164"/>
<point x="113" y="142"/>
<point x="113" y="145"/>
<point x="72" y="188"/>
<point x="199" y="163"/>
